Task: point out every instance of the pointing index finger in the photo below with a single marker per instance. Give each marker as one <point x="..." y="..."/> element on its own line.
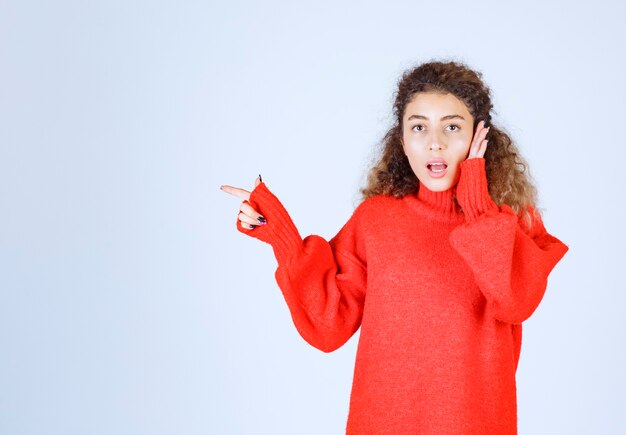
<point x="236" y="191"/>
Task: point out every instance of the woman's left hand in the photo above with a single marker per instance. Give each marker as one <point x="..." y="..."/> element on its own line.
<point x="479" y="143"/>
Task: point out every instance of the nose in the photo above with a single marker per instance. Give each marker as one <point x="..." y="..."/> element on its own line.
<point x="437" y="142"/>
<point x="435" y="146"/>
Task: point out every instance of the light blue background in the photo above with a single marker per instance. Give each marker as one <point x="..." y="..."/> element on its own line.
<point x="129" y="303"/>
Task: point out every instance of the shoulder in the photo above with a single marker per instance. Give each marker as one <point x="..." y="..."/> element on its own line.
<point x="376" y="207"/>
<point x="374" y="213"/>
<point x="529" y="218"/>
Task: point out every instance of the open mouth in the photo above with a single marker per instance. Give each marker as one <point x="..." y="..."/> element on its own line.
<point x="436" y="167"/>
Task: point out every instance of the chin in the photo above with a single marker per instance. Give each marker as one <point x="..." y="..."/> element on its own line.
<point x="437" y="185"/>
<point x="441" y="188"/>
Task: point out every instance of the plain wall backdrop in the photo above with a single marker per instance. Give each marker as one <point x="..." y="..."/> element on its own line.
<point x="130" y="304"/>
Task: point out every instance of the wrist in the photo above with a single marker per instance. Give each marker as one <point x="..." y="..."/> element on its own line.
<point x="279" y="229"/>
<point x="473" y="190"/>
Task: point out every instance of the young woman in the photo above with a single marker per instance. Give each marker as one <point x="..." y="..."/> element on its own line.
<point x="439" y="265"/>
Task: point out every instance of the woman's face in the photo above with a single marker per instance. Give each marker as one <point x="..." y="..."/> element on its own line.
<point x="437" y="126"/>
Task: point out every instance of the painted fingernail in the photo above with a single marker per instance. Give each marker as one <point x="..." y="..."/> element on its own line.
<point x="252" y="226"/>
<point x="262" y="220"/>
<point x="260" y="179"/>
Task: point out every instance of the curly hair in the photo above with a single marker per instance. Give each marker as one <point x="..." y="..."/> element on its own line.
<point x="508" y="175"/>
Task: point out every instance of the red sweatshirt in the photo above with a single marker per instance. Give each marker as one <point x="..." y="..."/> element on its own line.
<point x="439" y="292"/>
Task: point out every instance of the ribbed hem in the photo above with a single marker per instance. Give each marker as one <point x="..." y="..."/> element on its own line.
<point x="279" y="231"/>
<point x="472" y="189"/>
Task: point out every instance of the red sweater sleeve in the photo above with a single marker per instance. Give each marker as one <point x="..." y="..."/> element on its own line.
<point x="323" y="282"/>
<point x="511" y="261"/>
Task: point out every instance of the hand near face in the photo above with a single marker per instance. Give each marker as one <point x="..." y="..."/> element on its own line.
<point x="479" y="143"/>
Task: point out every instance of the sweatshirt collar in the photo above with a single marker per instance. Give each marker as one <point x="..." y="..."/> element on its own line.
<point x="438" y="206"/>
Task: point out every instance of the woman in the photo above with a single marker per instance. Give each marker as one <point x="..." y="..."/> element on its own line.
<point x="439" y="265"/>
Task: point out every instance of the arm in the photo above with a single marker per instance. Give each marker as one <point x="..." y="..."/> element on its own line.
<point x="323" y="282"/>
<point x="511" y="261"/>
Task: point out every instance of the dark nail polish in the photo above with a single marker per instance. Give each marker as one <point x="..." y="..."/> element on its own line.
<point x="261" y="219"/>
<point x="260" y="178"/>
<point x="253" y="226"/>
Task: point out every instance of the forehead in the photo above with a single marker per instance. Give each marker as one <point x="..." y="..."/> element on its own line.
<point x="435" y="105"/>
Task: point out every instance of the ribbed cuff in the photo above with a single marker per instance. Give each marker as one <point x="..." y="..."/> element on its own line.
<point x="279" y="231"/>
<point x="472" y="189"/>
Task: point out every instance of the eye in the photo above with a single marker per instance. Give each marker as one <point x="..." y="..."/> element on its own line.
<point x="456" y="126"/>
<point x="417" y="125"/>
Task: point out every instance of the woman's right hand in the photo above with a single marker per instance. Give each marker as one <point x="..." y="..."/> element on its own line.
<point x="248" y="216"/>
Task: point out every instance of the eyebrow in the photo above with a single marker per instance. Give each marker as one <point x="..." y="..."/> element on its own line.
<point x="443" y="118"/>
